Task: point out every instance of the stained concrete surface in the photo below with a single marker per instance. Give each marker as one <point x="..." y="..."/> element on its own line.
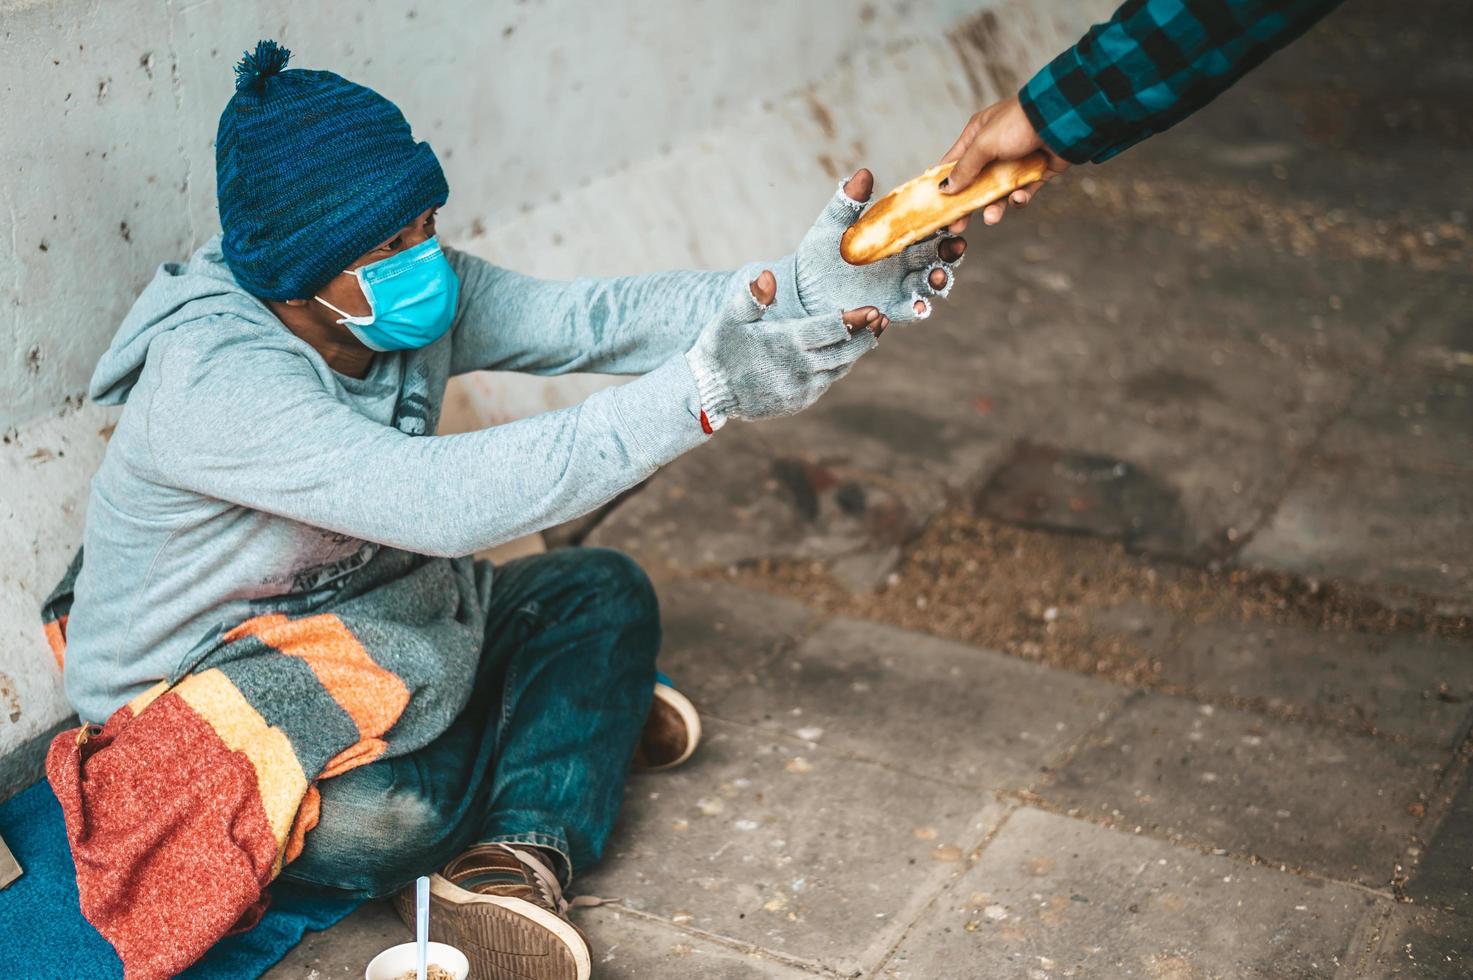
<point x="633" y="947"/>
<point x="1444" y="877"/>
<point x="1262" y="318"/>
<point x="1053" y="896"/>
<point x="922" y="705"/>
<point x="1416" y="688"/>
<point x="1414" y="943"/>
<point x="780" y="845"/>
<point x="1330" y="803"/>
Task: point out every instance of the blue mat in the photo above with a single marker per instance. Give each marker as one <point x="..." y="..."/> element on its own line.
<point x="42" y="906"/>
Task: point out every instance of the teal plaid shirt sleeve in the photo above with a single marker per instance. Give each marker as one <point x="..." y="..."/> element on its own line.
<point x="1151" y="65"/>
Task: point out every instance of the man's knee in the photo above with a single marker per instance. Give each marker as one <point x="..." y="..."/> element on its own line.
<point x="621" y="584"/>
<point x="372" y="845"/>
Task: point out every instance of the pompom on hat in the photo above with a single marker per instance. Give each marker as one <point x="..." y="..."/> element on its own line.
<point x="312" y="171"/>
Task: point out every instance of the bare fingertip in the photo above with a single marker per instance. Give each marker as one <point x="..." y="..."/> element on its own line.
<point x="860" y="186"/>
<point x="764" y="287"/>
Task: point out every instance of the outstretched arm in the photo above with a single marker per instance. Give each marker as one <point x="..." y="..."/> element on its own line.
<point x="631" y="324"/>
<point x="1152" y="64"/>
<point x="261" y="429"/>
<point x="284" y="444"/>
<point x="623" y="325"/>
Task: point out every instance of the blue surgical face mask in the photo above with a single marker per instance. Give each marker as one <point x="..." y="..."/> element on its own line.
<point x="412" y="297"/>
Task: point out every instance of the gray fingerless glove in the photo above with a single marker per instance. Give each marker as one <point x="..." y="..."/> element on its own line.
<point x="749" y="368"/>
<point x="826" y="282"/>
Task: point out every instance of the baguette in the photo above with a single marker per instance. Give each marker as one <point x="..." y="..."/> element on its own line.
<point x="917" y="208"/>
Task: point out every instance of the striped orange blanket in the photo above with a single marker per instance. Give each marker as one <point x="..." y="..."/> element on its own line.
<point x="183" y="807"/>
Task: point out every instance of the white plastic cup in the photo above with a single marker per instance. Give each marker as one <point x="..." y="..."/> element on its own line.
<point x="395" y="961"/>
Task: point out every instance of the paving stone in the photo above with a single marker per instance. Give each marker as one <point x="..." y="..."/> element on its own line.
<point x="789" y="847"/>
<point x="771" y="504"/>
<point x="1160" y="425"/>
<point x="1444" y="875"/>
<point x="1057" y="897"/>
<point x="1044" y="486"/>
<point x="1394" y="528"/>
<point x="922" y="704"/>
<point x="860" y="472"/>
<point x="1104" y="307"/>
<point x="718" y="637"/>
<point x="1329" y="802"/>
<point x="1412" y="687"/>
<point x="1415" y="943"/>
<point x="1194" y="489"/>
<point x="907" y="412"/>
<point x="1385" y="501"/>
<point x="345" y="949"/>
<point x="1416" y="415"/>
<point x="631" y="947"/>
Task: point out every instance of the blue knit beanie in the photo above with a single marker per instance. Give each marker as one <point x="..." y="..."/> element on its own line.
<point x="312" y="171"/>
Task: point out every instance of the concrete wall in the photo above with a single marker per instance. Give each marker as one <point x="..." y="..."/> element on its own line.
<point x="578" y="137"/>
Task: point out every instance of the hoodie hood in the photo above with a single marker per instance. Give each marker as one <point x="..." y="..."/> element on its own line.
<point x="200" y="289"/>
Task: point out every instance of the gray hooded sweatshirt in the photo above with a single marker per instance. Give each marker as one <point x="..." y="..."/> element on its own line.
<point x="246" y="475"/>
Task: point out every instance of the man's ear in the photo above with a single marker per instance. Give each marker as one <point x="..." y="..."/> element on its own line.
<point x="295" y="302"/>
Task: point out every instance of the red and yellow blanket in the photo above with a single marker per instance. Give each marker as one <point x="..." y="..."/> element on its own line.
<point x="183" y="807"/>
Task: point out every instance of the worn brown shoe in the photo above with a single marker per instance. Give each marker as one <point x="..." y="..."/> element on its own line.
<point x="502" y="906"/>
<point x="672" y="730"/>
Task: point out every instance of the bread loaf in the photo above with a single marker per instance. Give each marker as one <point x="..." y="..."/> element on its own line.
<point x="917" y="208"/>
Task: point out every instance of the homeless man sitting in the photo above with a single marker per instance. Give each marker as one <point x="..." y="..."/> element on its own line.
<point x="301" y="670"/>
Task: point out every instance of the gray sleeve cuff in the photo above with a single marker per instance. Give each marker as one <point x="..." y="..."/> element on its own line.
<point x="714" y="393"/>
<point x="660" y="413"/>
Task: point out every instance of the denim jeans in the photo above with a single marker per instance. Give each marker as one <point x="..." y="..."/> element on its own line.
<point x="540" y="753"/>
